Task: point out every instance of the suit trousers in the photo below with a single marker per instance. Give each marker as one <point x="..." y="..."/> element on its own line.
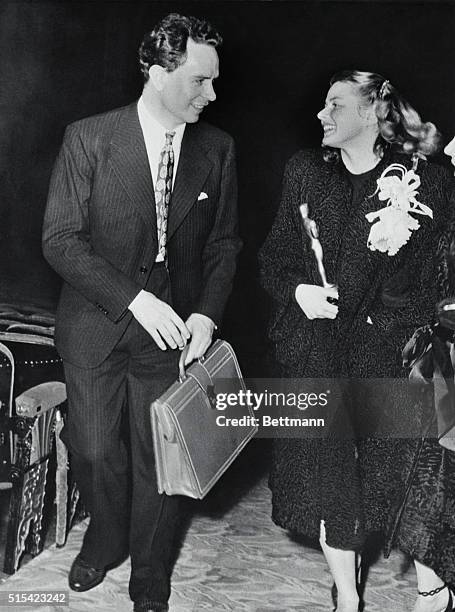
<point x="109" y="435"/>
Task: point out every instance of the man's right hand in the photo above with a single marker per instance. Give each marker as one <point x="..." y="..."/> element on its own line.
<point x="159" y="320"/>
<point x="312" y="299"/>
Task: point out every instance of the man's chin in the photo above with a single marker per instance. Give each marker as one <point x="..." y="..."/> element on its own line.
<point x="194" y="114"/>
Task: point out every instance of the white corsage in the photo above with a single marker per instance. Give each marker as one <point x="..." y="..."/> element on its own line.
<point x="394" y="224"/>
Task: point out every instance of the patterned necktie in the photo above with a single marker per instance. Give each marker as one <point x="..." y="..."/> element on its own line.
<point x="163" y="190"/>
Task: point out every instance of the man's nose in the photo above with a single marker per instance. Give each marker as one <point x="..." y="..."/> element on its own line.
<point x="209" y="92"/>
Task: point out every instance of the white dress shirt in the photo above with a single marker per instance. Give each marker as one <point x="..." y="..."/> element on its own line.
<point x="155" y="139"/>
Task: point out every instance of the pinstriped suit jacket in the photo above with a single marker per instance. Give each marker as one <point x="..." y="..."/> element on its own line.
<point x="100" y="228"/>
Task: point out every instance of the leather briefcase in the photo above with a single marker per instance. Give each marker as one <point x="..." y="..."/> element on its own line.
<point x="192" y="449"/>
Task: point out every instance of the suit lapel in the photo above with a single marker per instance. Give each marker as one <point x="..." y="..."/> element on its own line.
<point x="193" y="169"/>
<point x="128" y="158"/>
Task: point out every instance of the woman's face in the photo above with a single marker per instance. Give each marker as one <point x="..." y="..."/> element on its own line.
<point x="345" y="119"/>
<point x="450" y="151"/>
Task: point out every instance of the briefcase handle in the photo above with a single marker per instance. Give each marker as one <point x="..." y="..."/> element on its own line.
<point x="200" y="375"/>
<point x="182" y="372"/>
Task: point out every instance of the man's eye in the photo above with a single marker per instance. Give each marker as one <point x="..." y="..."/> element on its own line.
<point x="199" y="81"/>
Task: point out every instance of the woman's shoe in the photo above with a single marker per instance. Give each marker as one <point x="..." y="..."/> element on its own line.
<point x="450" y="604"/>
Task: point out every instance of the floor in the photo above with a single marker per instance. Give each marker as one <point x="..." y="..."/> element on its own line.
<point x="232" y="558"/>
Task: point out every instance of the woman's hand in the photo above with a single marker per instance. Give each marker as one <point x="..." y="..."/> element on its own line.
<point x="312" y="299"/>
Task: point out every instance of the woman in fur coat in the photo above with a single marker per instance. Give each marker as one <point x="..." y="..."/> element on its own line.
<point x="380" y="209"/>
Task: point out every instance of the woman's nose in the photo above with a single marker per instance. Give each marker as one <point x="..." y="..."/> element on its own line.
<point x="450" y="148"/>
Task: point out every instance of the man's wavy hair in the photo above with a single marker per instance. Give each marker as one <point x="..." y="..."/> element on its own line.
<point x="400" y="125"/>
<point x="166" y="44"/>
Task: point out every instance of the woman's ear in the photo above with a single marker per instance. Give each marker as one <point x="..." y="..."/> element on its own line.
<point x="369" y="115"/>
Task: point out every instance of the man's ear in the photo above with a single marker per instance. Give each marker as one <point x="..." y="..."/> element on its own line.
<point x="157" y="76"/>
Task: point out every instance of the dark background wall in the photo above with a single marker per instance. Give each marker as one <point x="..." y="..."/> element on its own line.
<point x="60" y="61"/>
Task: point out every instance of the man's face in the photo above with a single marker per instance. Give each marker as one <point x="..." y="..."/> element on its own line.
<point x="450" y="151"/>
<point x="188" y="89"/>
<point x="343" y="118"/>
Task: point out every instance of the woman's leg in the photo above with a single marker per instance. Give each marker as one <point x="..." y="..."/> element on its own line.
<point x="428" y="582"/>
<point x="342" y="564"/>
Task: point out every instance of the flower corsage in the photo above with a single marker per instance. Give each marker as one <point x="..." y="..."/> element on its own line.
<point x="393" y="224"/>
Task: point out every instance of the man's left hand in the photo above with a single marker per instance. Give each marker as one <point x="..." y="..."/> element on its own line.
<point x="201" y="329"/>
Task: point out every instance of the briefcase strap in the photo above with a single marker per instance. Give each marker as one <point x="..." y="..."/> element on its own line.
<point x="201" y="375"/>
<point x="199" y="369"/>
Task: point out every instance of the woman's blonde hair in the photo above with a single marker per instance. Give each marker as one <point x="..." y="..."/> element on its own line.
<point x="400" y="125"/>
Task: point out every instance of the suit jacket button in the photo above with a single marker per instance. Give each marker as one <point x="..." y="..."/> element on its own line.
<point x="142" y="269"/>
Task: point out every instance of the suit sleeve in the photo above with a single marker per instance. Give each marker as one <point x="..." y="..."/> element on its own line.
<point x="222" y="246"/>
<point x="67" y="243"/>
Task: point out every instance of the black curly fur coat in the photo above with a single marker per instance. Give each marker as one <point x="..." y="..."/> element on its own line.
<point x="404" y="488"/>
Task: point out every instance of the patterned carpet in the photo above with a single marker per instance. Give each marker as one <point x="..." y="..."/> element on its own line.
<point x="232" y="558"/>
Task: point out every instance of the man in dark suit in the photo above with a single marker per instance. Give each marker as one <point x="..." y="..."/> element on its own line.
<point x="141" y="223"/>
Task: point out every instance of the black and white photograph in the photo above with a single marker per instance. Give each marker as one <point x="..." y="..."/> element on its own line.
<point x="227" y="305"/>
